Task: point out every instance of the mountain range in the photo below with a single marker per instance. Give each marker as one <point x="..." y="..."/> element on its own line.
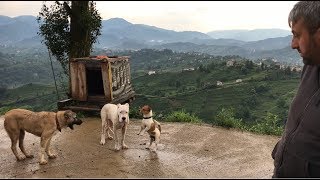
<point x="117" y="33"/>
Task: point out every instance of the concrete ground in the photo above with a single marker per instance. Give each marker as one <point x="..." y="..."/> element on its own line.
<point x="185" y="151"/>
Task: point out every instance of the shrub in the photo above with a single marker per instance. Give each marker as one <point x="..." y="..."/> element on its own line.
<point x="5" y="109"/>
<point x="226" y="118"/>
<point x="182" y="116"/>
<point x="134" y="113"/>
<point x="270" y="125"/>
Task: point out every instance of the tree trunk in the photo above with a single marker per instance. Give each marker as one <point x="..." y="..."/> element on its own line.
<point x="80" y="45"/>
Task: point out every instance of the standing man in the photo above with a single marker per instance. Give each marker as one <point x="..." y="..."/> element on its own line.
<point x="297" y="154"/>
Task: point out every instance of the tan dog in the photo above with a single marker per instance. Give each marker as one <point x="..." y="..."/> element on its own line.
<point x="42" y="124"/>
<point x="114" y="117"/>
<point x="150" y="125"/>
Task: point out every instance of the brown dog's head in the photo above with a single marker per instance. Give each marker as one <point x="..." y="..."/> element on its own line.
<point x="71" y="118"/>
<point x="145" y="109"/>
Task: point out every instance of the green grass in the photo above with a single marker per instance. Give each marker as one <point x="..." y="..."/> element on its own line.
<point x="37" y="97"/>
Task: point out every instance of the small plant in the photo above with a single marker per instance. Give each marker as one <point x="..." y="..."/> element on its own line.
<point x="270" y="125"/>
<point x="182" y="116"/>
<point x="226" y="118"/>
<point x="134" y="113"/>
<point x="5" y="109"/>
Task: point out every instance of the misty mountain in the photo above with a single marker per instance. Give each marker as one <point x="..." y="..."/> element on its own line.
<point x="5" y="20"/>
<point x="268" y="44"/>
<point x="117" y="33"/>
<point x="16" y="29"/>
<point x="249" y="35"/>
<point x="285" y="54"/>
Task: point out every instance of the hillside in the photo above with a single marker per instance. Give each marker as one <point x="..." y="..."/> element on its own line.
<point x="19" y="66"/>
<point x="264" y="89"/>
<point x="260" y="91"/>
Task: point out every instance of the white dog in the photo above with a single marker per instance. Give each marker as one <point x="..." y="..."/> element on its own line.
<point x="151" y="126"/>
<point x="115" y="117"/>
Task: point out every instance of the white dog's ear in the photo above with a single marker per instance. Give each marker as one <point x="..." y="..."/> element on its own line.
<point x="126" y="104"/>
<point x="119" y="105"/>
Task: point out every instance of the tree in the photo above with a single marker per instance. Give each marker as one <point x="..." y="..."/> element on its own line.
<point x="69" y="32"/>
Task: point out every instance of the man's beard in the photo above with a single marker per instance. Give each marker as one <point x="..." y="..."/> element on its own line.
<point x="307" y="61"/>
<point x="311" y="59"/>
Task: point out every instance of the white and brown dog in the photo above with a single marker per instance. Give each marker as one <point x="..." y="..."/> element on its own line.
<point x="151" y="126"/>
<point x="115" y="117"/>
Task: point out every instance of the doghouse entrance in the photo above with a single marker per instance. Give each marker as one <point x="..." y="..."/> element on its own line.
<point x="94" y="82"/>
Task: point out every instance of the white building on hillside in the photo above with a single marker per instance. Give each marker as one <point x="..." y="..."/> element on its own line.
<point x="151" y="72"/>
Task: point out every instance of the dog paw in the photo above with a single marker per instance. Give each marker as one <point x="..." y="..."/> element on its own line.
<point x="110" y="137"/>
<point x="29" y="156"/>
<point x="117" y="148"/>
<point x="52" y="156"/>
<point x="124" y="146"/>
<point x="153" y="150"/>
<point x="20" y="158"/>
<point x="43" y="162"/>
<point x="102" y="142"/>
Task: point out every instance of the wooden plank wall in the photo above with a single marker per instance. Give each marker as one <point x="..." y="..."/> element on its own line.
<point x="78" y="81"/>
<point x="107" y="80"/>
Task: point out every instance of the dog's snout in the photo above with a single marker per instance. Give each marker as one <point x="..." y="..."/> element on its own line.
<point x="123" y="118"/>
<point x="78" y="121"/>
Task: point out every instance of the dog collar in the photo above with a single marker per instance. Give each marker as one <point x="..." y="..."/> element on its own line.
<point x="57" y="122"/>
<point x="147" y="117"/>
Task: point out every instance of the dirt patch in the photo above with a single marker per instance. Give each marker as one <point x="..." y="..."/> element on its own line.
<point x="185" y="151"/>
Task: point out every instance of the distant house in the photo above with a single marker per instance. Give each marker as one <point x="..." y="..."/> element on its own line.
<point x="282" y="66"/>
<point x="296" y="68"/>
<point x="258" y="63"/>
<point x="219" y="83"/>
<point x="230" y="63"/>
<point x="188" y="69"/>
<point x="151" y="72"/>
<point x="238" y="80"/>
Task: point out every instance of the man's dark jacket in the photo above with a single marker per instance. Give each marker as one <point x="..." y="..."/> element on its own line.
<point x="297" y="154"/>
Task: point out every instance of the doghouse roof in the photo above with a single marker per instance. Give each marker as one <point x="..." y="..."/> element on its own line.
<point x="101" y="59"/>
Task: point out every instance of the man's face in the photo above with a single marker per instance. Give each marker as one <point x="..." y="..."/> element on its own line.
<point x="306" y="44"/>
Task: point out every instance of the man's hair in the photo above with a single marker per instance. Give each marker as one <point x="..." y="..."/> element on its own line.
<point x="309" y="11"/>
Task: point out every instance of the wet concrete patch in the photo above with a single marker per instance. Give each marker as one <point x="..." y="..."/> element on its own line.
<point x="186" y="151"/>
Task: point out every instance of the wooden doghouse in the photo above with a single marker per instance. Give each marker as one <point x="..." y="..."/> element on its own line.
<point x="97" y="80"/>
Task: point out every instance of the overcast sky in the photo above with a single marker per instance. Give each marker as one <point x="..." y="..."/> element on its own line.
<point x="202" y="16"/>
